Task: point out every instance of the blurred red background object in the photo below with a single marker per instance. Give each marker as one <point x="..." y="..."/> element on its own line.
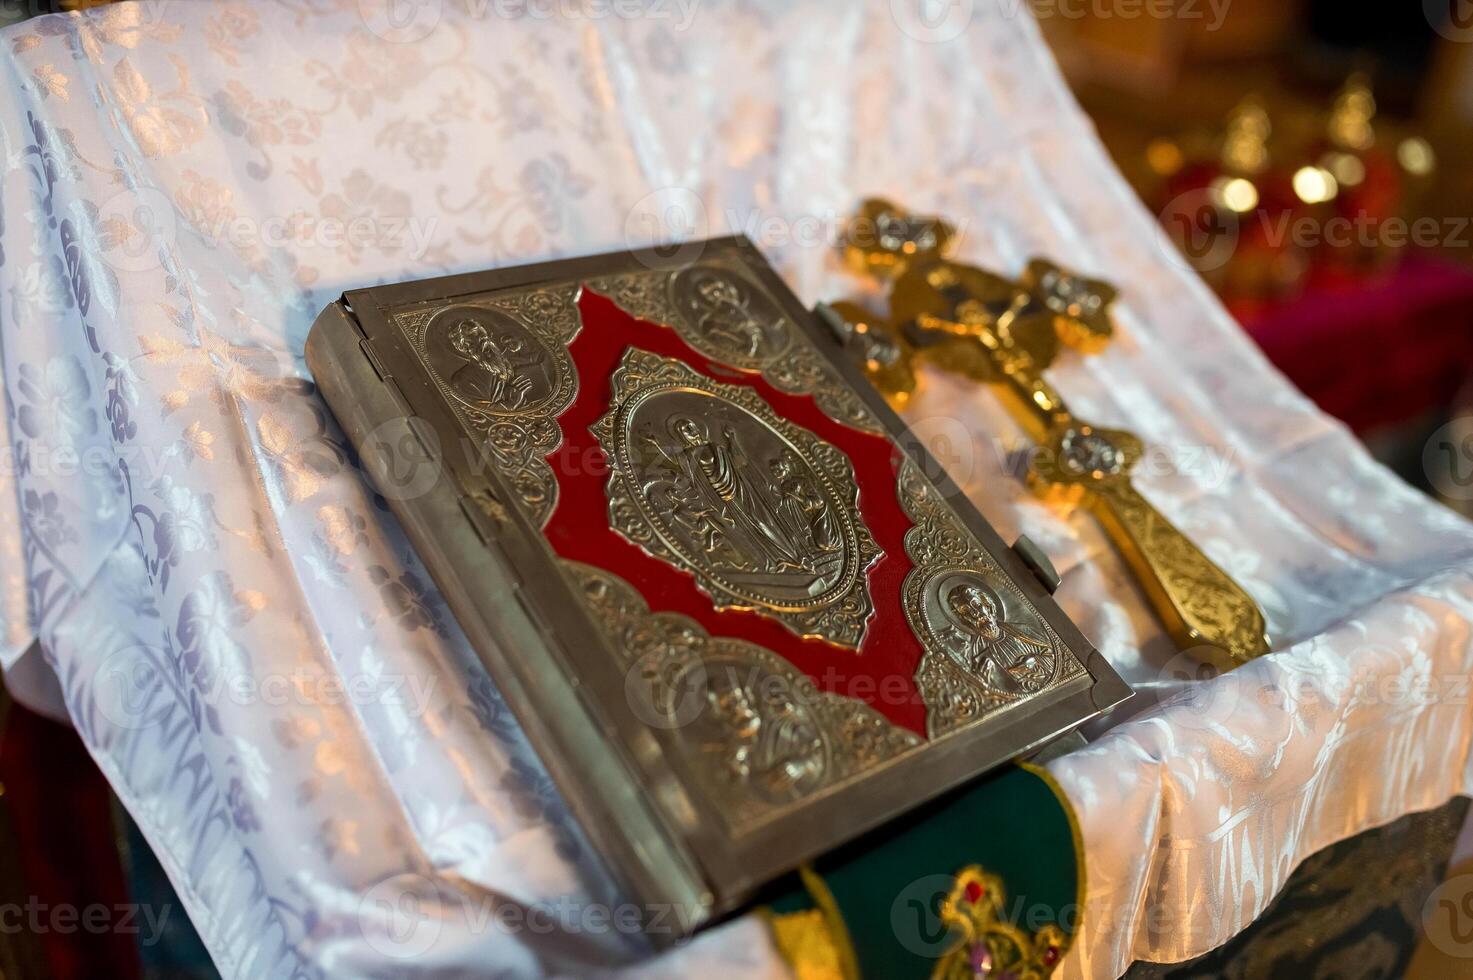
<point x="1313" y="161"/>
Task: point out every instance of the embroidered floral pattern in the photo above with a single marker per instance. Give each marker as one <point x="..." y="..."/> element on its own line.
<point x="54" y="406"/>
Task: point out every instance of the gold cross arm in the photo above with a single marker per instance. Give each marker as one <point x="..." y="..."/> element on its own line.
<point x="1006" y="333"/>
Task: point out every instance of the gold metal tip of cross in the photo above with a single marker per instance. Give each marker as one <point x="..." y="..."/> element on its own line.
<point x="1006" y="333"/>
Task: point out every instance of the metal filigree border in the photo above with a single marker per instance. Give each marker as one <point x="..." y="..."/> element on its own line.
<point x="520" y="441"/>
<point x="795" y="367"/>
<point x="659" y="651"/>
<point x="843" y="613"/>
<point x="939" y="541"/>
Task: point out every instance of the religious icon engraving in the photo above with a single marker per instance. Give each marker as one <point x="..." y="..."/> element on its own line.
<point x="760" y="734"/>
<point x="731" y="315"/>
<point x="503" y="367"/>
<point x="721" y="490"/>
<point x="726" y="314"/>
<point x="763" y="522"/>
<point x="762" y="512"/>
<point x="994" y="645"/>
<point x="489" y="361"/>
<point x="987" y="646"/>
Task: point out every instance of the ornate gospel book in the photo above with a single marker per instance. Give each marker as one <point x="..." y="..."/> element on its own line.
<point x="741" y="613"/>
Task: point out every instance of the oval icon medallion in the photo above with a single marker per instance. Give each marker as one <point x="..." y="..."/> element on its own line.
<point x="761" y="511"/>
<point x="488" y="361"/>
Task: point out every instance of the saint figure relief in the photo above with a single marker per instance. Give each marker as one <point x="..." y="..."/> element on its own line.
<point x="770" y="519"/>
<point x="495" y="372"/>
<point x="725" y="315"/>
<point x="1008" y="657"/>
<point x="801" y="508"/>
<point x="765" y="737"/>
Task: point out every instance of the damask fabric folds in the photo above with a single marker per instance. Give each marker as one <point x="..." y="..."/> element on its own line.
<point x="255" y="658"/>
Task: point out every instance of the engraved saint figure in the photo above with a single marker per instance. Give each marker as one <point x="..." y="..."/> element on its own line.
<point x="728" y="487"/>
<point x="747" y="511"/>
<point x="804" y="512"/>
<point x="765" y="737"/>
<point x="1007" y="657"/>
<point x="496" y="371"/>
<point x="724" y="314"/>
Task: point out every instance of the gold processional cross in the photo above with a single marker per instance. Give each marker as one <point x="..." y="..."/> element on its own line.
<point x="1006" y="333"/>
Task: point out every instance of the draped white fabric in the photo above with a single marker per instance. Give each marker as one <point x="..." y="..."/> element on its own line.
<point x="262" y="669"/>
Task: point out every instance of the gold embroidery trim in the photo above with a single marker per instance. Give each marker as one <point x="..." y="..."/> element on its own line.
<point x="1076" y="836"/>
<point x="988" y="945"/>
<point x="815" y="941"/>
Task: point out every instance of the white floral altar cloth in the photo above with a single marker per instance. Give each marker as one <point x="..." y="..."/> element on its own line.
<point x="239" y="632"/>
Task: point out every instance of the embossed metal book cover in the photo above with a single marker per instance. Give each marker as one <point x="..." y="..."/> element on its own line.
<point x="741" y="613"/>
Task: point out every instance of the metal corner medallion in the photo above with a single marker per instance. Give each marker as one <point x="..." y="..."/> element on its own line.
<point x="756" y="731"/>
<point x="986" y="645"/>
<point x="723" y="313"/>
<point x="503" y="365"/>
<point x="762" y="512"/>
